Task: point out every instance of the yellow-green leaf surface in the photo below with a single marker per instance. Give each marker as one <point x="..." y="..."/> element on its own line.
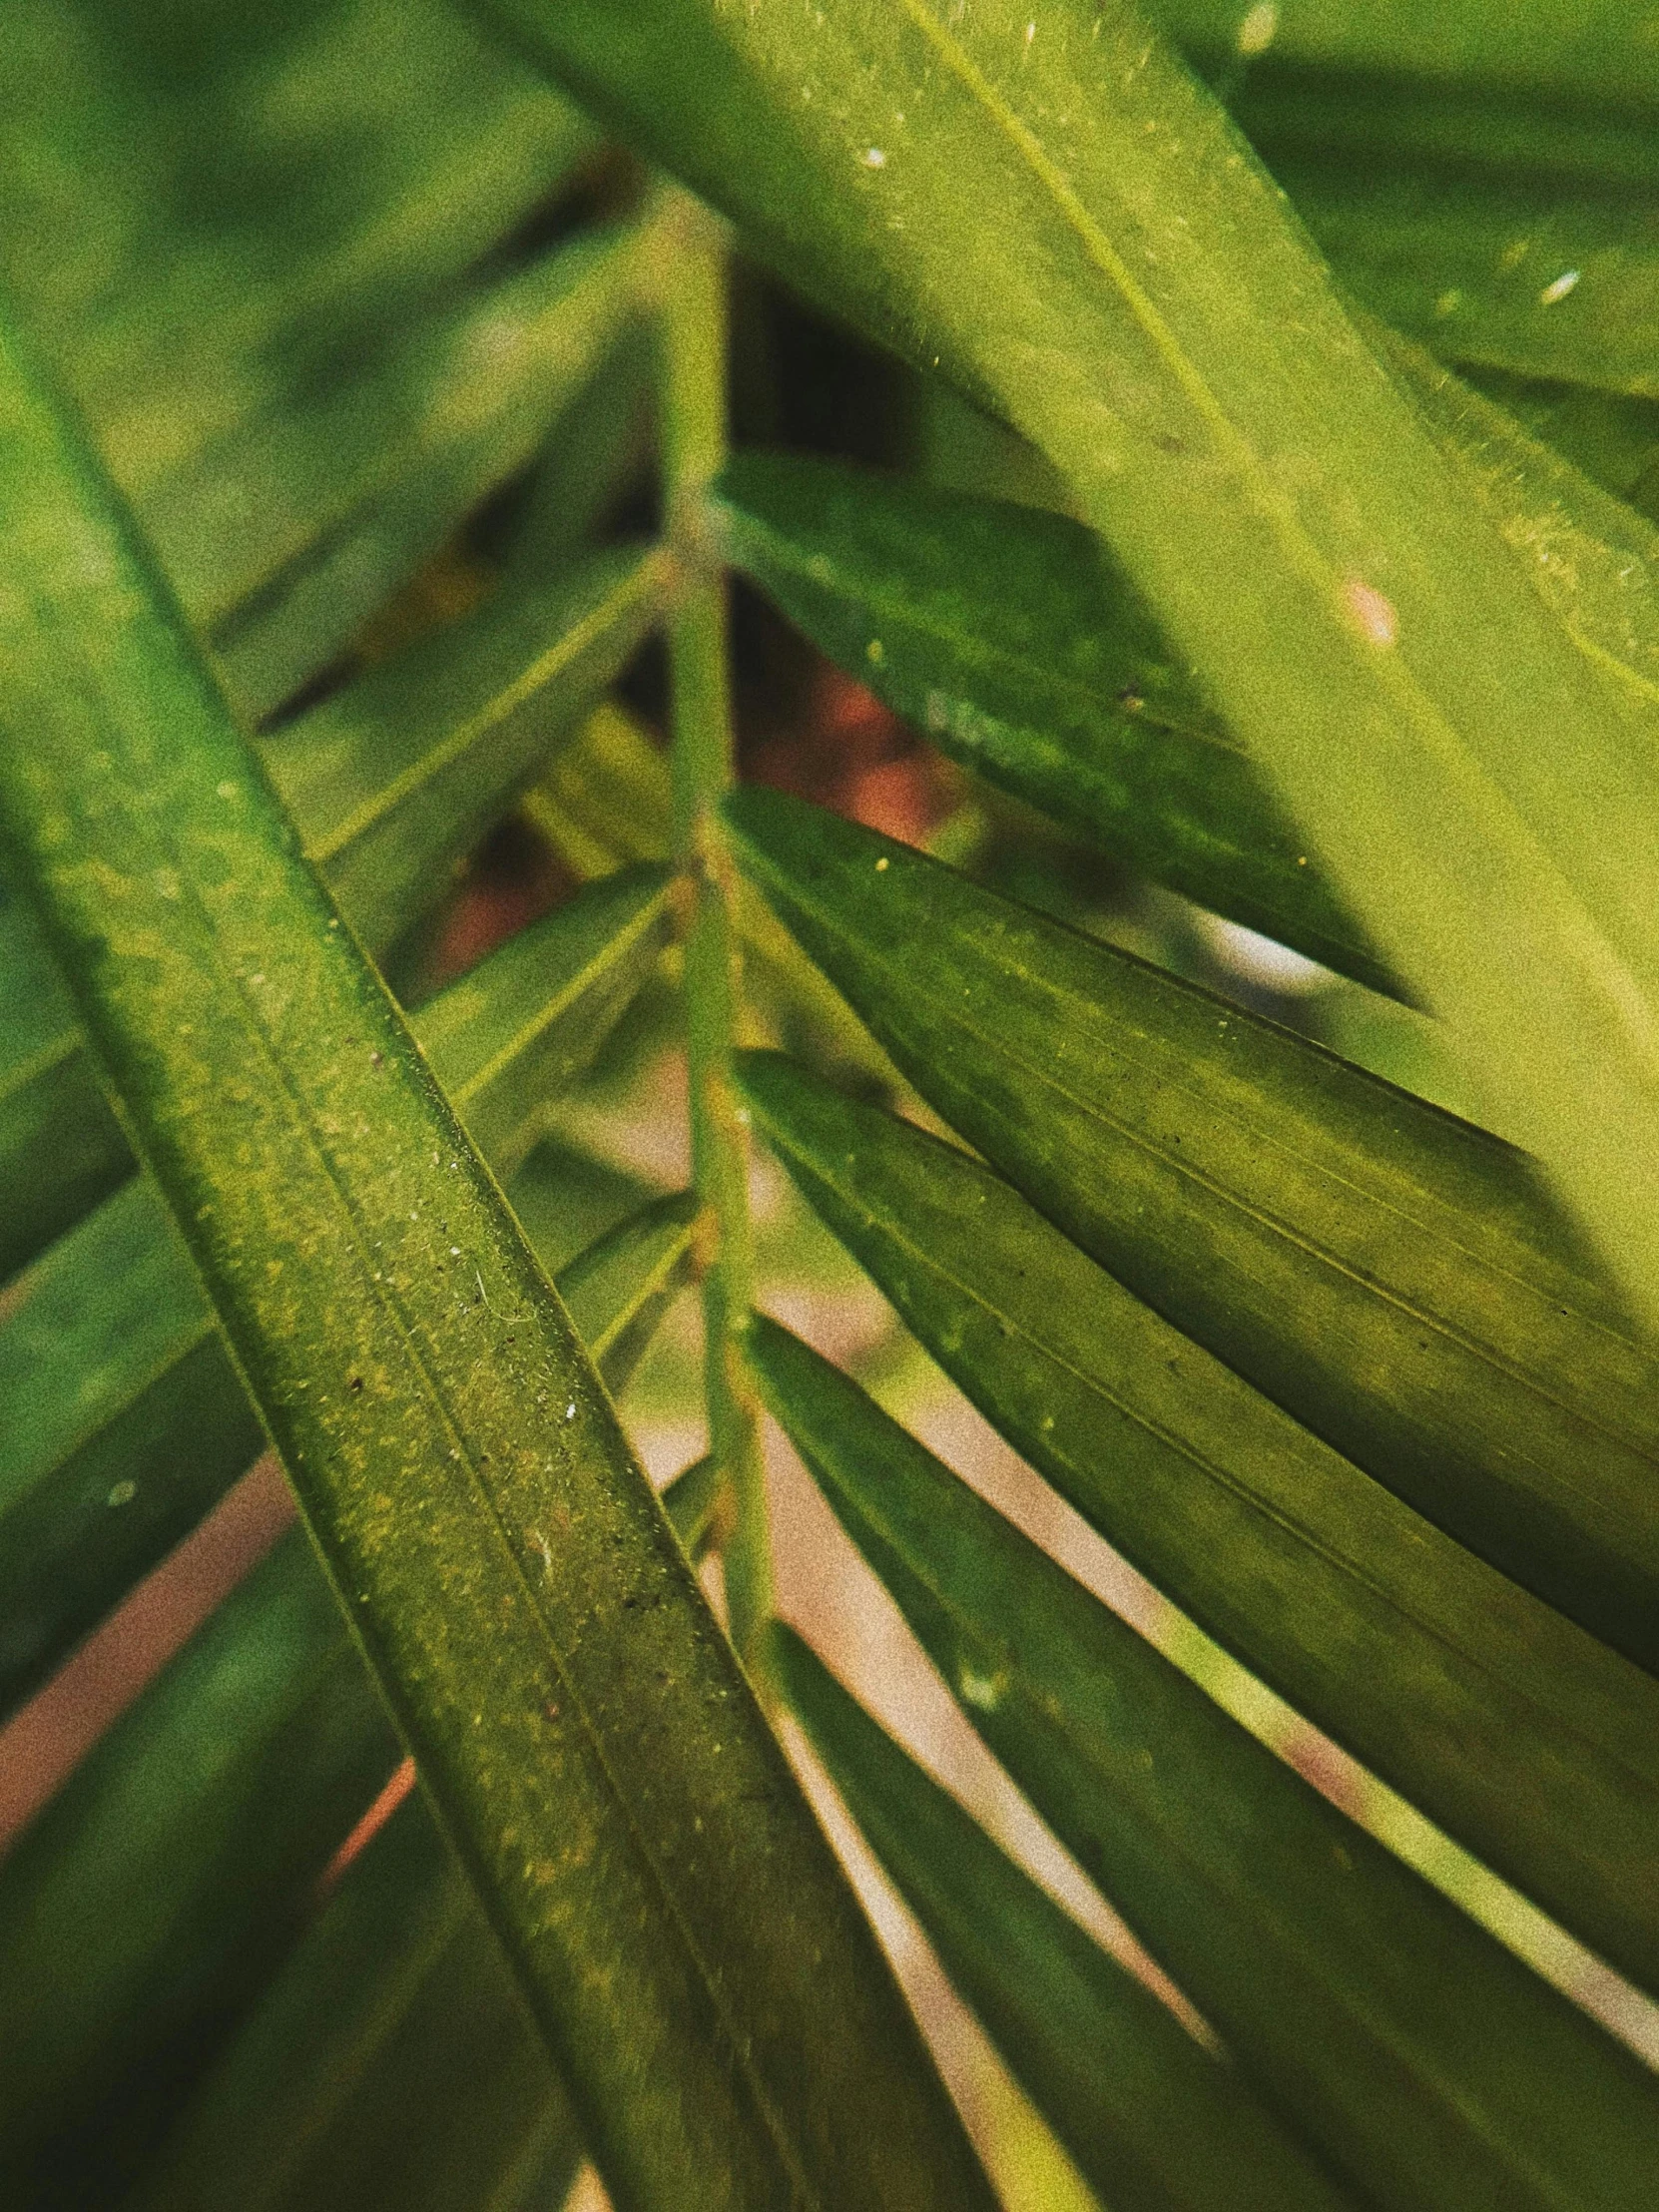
<point x="1393" y="1276"/>
<point x="1431" y="2065"/>
<point x="1591" y="556"/>
<point x="1526" y="275"/>
<point x="1528" y="1740"/>
<point x="1044" y="203"/>
<point x="1597" y="55"/>
<point x="1152" y="2120"/>
<point x="595" y="1749"/>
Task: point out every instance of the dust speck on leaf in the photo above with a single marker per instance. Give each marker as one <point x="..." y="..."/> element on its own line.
<point x="1369" y="612"/>
<point x="1256" y="32"/>
<point x="1559" y="288"/>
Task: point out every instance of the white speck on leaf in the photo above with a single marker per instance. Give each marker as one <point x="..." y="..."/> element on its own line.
<point x="570" y="1410"/>
<point x="1559" y="289"/>
<point x="874" y="158"/>
<point x="1256" y="32"/>
<point x="1372" y="615"/>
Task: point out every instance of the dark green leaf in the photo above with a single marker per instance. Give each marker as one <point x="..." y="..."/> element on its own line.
<point x="146" y="1787"/>
<point x="309" y="523"/>
<point x="122" y="1422"/>
<point x="1393" y="1276"/>
<point x="391" y="784"/>
<point x="200" y="211"/>
<point x="1409" y="2044"/>
<point x="122" y="1418"/>
<point x="1155" y="2123"/>
<point x="1005" y="633"/>
<point x="390" y="2063"/>
<point x="1525" y="1738"/>
<point x="597" y="1754"/>
<point x="156" y="1891"/>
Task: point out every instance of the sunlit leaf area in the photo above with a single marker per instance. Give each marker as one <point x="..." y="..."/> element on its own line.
<point x="830" y="1106"/>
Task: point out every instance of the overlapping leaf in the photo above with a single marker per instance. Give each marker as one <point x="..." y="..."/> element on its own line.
<point x="222" y="1870"/>
<point x="391" y="784"/>
<point x="1002" y="632"/>
<point x="1513" y="1729"/>
<point x="389" y="2065"/>
<point x="158" y="1889"/>
<point x="1152" y="2122"/>
<point x="575" y="1711"/>
<point x="1416" y="2051"/>
<point x="122" y="1418"/>
<point x="1393" y="1276"/>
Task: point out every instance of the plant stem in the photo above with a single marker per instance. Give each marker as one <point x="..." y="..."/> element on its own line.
<point x="694" y="447"/>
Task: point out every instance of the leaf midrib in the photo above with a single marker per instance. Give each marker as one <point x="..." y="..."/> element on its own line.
<point x="1575" y="926"/>
<point x="649" y="576"/>
<point x="1254" y="1500"/>
<point x="1173" y="1070"/>
<point x="235" y="990"/>
<point x="1262" y="1907"/>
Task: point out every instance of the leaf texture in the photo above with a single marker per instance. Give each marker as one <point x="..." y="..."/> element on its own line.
<point x="1004" y="634"/>
<point x="1056" y="216"/>
<point x="1409" y="2045"/>
<point x="1391" y="1276"/>
<point x="220" y="1867"/>
<point x="390" y="785"/>
<point x="1525" y="1738"/>
<point x="153" y="1894"/>
<point x="121" y="1416"/>
<point x="388" y="2065"/>
<point x="1153" y="2122"/>
<point x="571" y="1702"/>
